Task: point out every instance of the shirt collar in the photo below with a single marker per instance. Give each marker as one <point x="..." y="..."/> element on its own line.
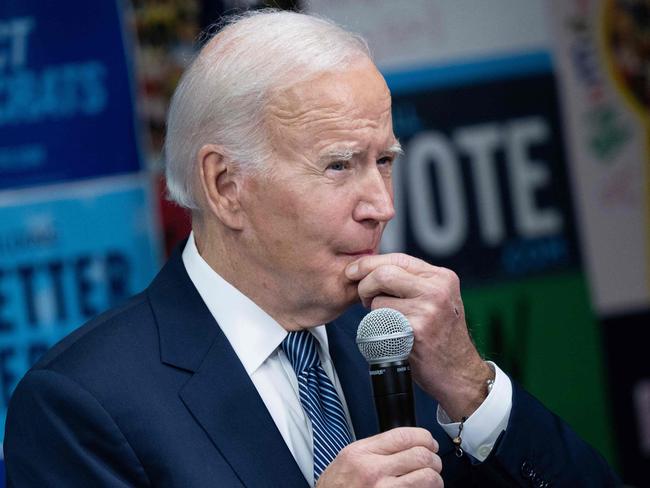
<point x="252" y="333"/>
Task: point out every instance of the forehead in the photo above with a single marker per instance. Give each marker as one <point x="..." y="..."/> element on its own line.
<point x="352" y="103"/>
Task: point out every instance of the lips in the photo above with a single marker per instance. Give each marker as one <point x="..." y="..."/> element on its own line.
<point x="355" y="248"/>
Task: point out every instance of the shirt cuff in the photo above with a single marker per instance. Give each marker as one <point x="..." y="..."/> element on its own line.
<point x="482" y="429"/>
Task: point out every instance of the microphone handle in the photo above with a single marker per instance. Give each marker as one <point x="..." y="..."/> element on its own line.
<point x="393" y="392"/>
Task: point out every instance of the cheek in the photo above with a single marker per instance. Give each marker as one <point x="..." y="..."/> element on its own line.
<point x="324" y="227"/>
<point x="312" y="220"/>
<point x="272" y="212"/>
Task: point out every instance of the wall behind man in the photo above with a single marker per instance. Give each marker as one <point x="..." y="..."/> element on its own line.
<point x="526" y="171"/>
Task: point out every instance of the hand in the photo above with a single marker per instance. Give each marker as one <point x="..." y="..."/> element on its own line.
<point x="401" y="457"/>
<point x="444" y="360"/>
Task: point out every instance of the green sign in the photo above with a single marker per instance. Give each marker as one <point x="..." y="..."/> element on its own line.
<point x="541" y="331"/>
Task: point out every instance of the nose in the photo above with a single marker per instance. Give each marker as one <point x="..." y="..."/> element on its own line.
<point x="375" y="202"/>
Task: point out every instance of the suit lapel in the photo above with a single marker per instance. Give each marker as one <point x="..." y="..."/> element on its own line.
<point x="352" y="371"/>
<point x="219" y="394"/>
<point x="226" y="404"/>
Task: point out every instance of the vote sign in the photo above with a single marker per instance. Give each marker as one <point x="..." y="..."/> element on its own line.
<point x="482" y="188"/>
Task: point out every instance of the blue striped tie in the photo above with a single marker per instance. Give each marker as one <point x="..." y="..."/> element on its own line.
<point x="318" y="398"/>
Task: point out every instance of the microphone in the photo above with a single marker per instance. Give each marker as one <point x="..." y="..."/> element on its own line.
<point x="385" y="339"/>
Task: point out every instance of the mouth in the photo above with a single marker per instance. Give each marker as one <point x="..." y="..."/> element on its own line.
<point x="357" y="252"/>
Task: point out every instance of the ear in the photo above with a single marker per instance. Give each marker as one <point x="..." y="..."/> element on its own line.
<point x="221" y="185"/>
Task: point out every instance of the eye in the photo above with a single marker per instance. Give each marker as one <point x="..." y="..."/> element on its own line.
<point x="338" y="165"/>
<point x="385" y="161"/>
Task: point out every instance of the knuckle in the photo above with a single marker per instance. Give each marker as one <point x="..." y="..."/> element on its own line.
<point x="359" y="463"/>
<point x="423" y="456"/>
<point x="453" y="283"/>
<point x="432" y="441"/>
<point x="402" y="437"/>
<point x="431" y="477"/>
<point x="452" y="277"/>
<point x="385" y="274"/>
<point x="437" y="463"/>
<point x="436" y="446"/>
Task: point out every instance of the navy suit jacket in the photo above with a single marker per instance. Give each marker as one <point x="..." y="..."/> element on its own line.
<point x="152" y="394"/>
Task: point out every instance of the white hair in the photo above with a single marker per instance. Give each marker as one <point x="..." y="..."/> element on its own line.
<point x="221" y="97"/>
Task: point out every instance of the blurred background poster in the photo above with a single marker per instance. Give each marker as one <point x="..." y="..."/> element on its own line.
<point x="602" y="51"/>
<point x="484" y="190"/>
<point x="78" y="227"/>
<point x="525" y="126"/>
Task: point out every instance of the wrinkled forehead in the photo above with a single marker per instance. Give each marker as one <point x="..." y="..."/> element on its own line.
<point x="346" y="112"/>
<point x="355" y="92"/>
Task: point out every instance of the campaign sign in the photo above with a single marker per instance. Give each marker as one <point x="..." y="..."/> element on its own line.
<point x="66" y="100"/>
<point x="482" y="188"/>
<point x="65" y="259"/>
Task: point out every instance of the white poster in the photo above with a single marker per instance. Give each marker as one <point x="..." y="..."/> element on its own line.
<point x="604" y="81"/>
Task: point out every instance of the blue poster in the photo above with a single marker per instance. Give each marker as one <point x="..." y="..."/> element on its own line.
<point x="66" y="93"/>
<point x="67" y="253"/>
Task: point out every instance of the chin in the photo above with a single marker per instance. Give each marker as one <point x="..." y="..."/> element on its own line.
<point x="343" y="298"/>
<point x="351" y="295"/>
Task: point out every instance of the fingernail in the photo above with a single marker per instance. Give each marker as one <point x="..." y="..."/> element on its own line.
<point x="351" y="270"/>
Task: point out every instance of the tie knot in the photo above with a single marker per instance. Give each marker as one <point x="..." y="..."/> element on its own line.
<point x="301" y="350"/>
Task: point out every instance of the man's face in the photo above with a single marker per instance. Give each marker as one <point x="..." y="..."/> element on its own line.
<point x="329" y="194"/>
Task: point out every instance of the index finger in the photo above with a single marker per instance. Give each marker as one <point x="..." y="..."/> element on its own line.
<point x="401" y="439"/>
<point x="362" y="266"/>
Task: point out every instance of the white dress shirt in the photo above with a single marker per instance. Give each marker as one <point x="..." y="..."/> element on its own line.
<point x="255" y="337"/>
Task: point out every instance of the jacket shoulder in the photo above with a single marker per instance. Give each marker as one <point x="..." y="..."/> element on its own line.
<point x="108" y="334"/>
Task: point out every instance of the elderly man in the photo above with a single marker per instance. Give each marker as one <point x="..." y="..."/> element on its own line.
<point x="223" y="372"/>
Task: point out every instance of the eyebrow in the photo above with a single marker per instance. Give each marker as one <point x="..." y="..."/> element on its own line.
<point x="346" y="154"/>
<point x="395" y="149"/>
<point x="339" y="155"/>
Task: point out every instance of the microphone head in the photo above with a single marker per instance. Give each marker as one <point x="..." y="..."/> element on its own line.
<point x="385" y="335"/>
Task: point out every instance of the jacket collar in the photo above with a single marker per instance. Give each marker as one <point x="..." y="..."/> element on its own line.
<point x="186" y="328"/>
<point x="219" y="394"/>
